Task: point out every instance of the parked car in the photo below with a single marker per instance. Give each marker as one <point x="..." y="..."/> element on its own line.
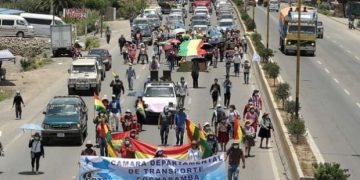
<point x="105" y="56"/>
<point x="226" y="16"/>
<point x="226" y="24"/>
<point x="66" y="118"/>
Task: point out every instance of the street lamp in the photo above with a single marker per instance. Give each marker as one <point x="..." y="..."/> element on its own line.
<point x="297" y="89"/>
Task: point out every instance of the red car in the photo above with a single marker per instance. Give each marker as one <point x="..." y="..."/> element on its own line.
<point x="202" y="3"/>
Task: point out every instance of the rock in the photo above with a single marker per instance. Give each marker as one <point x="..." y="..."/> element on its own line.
<point x="25" y="47"/>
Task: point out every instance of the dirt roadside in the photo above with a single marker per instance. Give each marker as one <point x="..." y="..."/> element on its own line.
<point x="32" y="83"/>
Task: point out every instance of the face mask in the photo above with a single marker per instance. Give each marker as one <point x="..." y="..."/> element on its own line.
<point x="132" y="135"/>
<point x="102" y="115"/>
<point x="252" y="111"/>
<point x="37" y="138"/>
<point x="127" y="142"/>
<point x="211" y="137"/>
<point x="236" y="146"/>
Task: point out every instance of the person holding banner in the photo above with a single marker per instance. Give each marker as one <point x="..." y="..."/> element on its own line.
<point x="194" y="153"/>
<point x="88" y="151"/>
<point x="126" y="149"/>
<point x="234" y="154"/>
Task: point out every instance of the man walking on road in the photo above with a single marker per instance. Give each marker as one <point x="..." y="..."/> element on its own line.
<point x="117" y="86"/>
<point x="131" y="75"/>
<point x="115" y="114"/>
<point x="227" y="94"/>
<point x="215" y="92"/>
<point x="108" y="34"/>
<point x="180" y="119"/>
<point x="164" y="124"/>
<point x="122" y="42"/>
<point x="17" y="103"/>
<point x="181" y="91"/>
<point x="195" y="74"/>
<point x="234" y="154"/>
<point x="246" y="71"/>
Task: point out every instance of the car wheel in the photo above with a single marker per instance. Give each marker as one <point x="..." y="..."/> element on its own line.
<point x="20" y="34"/>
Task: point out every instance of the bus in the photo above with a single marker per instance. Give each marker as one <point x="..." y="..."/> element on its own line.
<point x="42" y="22"/>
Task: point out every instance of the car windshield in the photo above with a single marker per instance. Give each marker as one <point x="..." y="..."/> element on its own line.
<point x="83" y="68"/>
<point x="140" y="21"/>
<point x="99" y="52"/>
<point x="194" y="23"/>
<point x="62" y="109"/>
<point x="303" y="29"/>
<point x="159" y="92"/>
<point x="228" y="16"/>
<point x="201" y="12"/>
<point x="225" y="23"/>
<point x="199" y="17"/>
<point x="174" y="18"/>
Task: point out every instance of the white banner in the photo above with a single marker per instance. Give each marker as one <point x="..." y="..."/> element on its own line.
<point x="104" y="168"/>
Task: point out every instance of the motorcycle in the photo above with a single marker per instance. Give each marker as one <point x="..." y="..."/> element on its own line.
<point x="76" y="52"/>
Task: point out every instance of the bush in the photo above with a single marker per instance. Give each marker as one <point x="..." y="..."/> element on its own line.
<point x="329" y="171"/>
<point x="130" y="9"/>
<point x="297" y="128"/>
<point x="32" y="63"/>
<point x="272" y="69"/>
<point x="290" y="107"/>
<point x="92" y="42"/>
<point x="282" y="92"/>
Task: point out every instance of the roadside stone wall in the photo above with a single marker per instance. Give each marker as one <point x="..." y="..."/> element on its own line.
<point x="25" y="47"/>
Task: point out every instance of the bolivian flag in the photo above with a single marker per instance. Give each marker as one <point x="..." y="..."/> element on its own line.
<point x="147" y="151"/>
<point x="194" y="132"/>
<point x="110" y="148"/>
<point x="98" y="104"/>
<point x="117" y="138"/>
<point x="192" y="48"/>
<point x="238" y="134"/>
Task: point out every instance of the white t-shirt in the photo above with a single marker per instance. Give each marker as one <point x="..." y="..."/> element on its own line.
<point x="36" y="146"/>
<point x="194" y="154"/>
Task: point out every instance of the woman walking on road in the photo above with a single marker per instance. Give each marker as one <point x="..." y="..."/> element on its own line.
<point x="223" y="135"/>
<point x="249" y="138"/>
<point x="37" y="150"/>
<point x="265" y="127"/>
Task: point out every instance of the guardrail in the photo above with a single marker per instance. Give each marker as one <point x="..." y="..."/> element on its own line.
<point x="289" y="160"/>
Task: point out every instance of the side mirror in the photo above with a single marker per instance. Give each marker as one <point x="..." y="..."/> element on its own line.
<point x="44" y="112"/>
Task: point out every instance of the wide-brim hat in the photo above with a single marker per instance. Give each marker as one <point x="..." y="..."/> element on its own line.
<point x="247" y="121"/>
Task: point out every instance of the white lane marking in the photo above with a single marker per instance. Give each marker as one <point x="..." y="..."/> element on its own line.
<point x="358" y="104"/>
<point x="348" y="51"/>
<point x="337" y="81"/>
<point x="356" y="57"/>
<point x="319" y="62"/>
<point x="189" y="100"/>
<point x="327" y="70"/>
<point x="273" y="165"/>
<point x="347" y="92"/>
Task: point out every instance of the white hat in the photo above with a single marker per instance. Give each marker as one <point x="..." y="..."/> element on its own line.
<point x="0" y="133"/>
<point x="130" y="64"/>
<point x="218" y="105"/>
<point x="113" y="95"/>
<point x="104" y="96"/>
<point x="18" y="92"/>
<point x="88" y="142"/>
<point x="206" y="123"/>
<point x="127" y="110"/>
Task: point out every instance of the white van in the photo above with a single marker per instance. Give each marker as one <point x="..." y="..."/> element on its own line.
<point x="13" y="25"/>
<point x="42" y="22"/>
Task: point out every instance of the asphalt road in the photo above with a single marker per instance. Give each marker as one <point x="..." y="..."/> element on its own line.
<point x="60" y="161"/>
<point x="329" y="88"/>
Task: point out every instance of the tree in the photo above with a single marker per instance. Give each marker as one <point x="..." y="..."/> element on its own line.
<point x="290" y="108"/>
<point x="272" y="69"/>
<point x="282" y="92"/>
<point x="59" y="5"/>
<point x="297" y="128"/>
<point x="96" y="4"/>
<point x="330" y="171"/>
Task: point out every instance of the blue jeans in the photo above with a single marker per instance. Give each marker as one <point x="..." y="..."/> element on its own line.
<point x="130" y="82"/>
<point x="179" y="136"/>
<point x="233" y="172"/>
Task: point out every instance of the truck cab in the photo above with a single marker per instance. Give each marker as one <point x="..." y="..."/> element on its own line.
<point x="84" y="75"/>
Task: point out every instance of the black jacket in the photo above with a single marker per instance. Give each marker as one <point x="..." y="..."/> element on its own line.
<point x="18" y="100"/>
<point x="41" y="146"/>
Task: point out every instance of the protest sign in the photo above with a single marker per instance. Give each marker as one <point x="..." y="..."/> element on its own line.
<point x="105" y="168"/>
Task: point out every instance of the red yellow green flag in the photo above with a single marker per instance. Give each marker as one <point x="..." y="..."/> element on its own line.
<point x="117" y="138"/>
<point x="147" y="151"/>
<point x="110" y="148"/>
<point x="238" y="134"/>
<point x="194" y="132"/>
<point x="98" y="103"/>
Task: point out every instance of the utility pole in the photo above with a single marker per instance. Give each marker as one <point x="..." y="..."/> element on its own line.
<point x="297" y="90"/>
<point x="254" y="12"/>
<point x="267" y="26"/>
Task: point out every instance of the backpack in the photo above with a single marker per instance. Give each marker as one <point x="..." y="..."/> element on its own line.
<point x="246" y="67"/>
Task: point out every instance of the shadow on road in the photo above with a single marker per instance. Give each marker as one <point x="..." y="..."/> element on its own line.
<point x="7" y="82"/>
<point x="30" y="173"/>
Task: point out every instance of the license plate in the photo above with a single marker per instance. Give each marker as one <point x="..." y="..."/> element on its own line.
<point x="60" y="134"/>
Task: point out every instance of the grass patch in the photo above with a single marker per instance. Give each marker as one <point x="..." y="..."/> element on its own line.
<point x="32" y="63"/>
<point x="4" y="94"/>
<point x="185" y="67"/>
<point x="92" y="42"/>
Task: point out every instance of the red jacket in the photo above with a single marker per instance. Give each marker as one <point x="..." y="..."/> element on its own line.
<point x="127" y="152"/>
